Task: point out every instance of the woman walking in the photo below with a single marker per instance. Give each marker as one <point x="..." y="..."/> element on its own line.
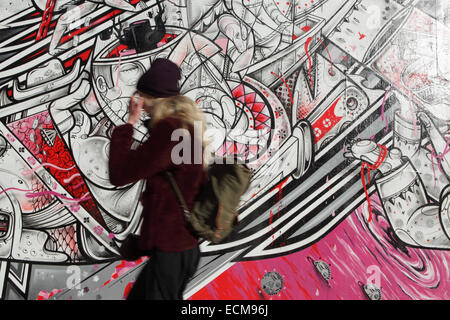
<point x="174" y="251"/>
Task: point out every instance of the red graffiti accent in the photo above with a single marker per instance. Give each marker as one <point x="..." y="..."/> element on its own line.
<point x="306" y="28"/>
<point x="270" y="223"/>
<point x="36" y="54"/>
<point x="309" y="59"/>
<point x="124" y="267"/>
<point x="46" y="19"/>
<point x="376" y="165"/>
<point x="29" y="133"/>
<point x="329" y="55"/>
<point x="117" y="50"/>
<point x="279" y="187"/>
<point x="314" y="246"/>
<point x="326" y="122"/>
<point x="44" y="295"/>
<point x="84" y="56"/>
<point x="30" y="171"/>
<point x="127" y="290"/>
<point x="285" y="83"/>
<point x="249" y="99"/>
<point x="30" y="36"/>
<point x="168" y="37"/>
<point x="239" y="91"/>
<point x="361" y="35"/>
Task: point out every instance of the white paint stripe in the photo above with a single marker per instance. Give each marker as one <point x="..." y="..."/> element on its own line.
<point x="259" y="250"/>
<point x="3" y="276"/>
<point x="17" y="16"/>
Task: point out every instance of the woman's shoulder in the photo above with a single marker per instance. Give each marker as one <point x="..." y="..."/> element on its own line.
<point x="173" y="122"/>
<point x="166" y="122"/>
<point x="172" y="119"/>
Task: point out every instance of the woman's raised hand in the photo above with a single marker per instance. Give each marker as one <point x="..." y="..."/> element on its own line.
<point x="135" y="109"/>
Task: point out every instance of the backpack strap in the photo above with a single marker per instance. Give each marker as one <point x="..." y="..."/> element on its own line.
<point x="178" y="193"/>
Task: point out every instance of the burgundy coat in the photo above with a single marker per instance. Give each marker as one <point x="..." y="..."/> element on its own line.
<point x="164" y="226"/>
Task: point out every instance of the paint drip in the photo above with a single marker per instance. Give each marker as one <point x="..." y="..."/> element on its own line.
<point x="376" y="165"/>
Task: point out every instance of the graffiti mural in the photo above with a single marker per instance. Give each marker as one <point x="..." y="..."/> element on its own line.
<point x="339" y="107"/>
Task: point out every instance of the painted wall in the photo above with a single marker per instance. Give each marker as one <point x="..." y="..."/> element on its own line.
<point x="340" y="107"/>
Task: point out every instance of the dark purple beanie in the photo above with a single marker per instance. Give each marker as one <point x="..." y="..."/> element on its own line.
<point x="161" y="80"/>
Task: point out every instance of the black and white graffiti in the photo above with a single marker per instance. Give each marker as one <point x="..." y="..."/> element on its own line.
<point x="312" y="95"/>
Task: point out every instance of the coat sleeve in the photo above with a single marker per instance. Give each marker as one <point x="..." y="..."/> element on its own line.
<point x="127" y="166"/>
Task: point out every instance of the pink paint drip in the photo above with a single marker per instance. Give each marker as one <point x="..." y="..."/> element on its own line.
<point x="27" y="172"/>
<point x="16" y="189"/>
<point x="122" y="54"/>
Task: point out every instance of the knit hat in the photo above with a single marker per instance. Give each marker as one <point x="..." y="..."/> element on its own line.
<point x="161" y="80"/>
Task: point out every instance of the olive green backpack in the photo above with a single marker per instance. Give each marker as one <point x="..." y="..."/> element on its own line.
<point x="215" y="210"/>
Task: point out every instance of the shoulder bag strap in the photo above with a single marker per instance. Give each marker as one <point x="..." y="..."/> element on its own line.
<point x="177" y="191"/>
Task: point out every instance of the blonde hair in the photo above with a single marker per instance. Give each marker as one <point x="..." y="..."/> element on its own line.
<point x="181" y="107"/>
